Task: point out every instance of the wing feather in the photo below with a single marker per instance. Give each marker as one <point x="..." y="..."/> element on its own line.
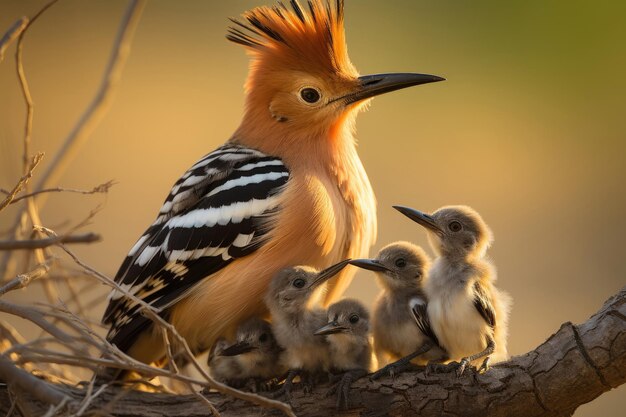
<point x="216" y="212"/>
<point x="483" y="305"/>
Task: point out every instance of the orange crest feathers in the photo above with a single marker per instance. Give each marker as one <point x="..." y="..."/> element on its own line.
<point x="298" y="38"/>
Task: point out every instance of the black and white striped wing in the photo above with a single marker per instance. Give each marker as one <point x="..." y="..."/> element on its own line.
<point x="216" y="212"/>
<point x="483" y="305"/>
<point x="420" y="314"/>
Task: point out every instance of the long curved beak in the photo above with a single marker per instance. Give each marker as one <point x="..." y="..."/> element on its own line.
<point x="377" y="84"/>
<point x="370" y="265"/>
<point x="422" y="218"/>
<point x="238" y="348"/>
<point x="329" y="272"/>
<point x="330" y="328"/>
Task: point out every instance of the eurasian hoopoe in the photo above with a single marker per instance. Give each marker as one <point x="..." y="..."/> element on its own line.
<point x="287" y="188"/>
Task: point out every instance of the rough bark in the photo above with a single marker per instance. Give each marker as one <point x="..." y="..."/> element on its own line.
<point x="575" y="365"/>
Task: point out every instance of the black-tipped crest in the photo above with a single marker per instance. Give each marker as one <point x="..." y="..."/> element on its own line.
<point x="313" y="35"/>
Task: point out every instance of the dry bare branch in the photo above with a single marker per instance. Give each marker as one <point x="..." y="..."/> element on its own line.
<point x="11" y="195"/>
<point x="50" y="241"/>
<point x="99" y="189"/>
<point x="22" y="280"/>
<point x="12" y="34"/>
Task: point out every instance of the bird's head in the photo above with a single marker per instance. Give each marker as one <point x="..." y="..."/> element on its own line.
<point x="454" y="231"/>
<point x="348" y="317"/>
<point x="399" y="265"/>
<point x="291" y="287"/>
<point x="302" y="83"/>
<point x="254" y="335"/>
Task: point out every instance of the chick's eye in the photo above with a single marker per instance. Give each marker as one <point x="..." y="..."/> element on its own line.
<point x="299" y="283"/>
<point x="263" y="337"/>
<point x="310" y="95"/>
<point x="455" y="226"/>
<point x="400" y="263"/>
<point x="354" y="318"/>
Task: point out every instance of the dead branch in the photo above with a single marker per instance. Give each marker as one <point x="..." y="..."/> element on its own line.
<point x="12" y="34"/>
<point x="11" y="195"/>
<point x="23" y="280"/>
<point x="47" y="242"/>
<point x="98" y="189"/>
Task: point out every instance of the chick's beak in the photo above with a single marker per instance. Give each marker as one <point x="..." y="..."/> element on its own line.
<point x="370" y="265"/>
<point x="329" y="272"/>
<point x="330" y="328"/>
<point x="422" y="218"/>
<point x="376" y="84"/>
<point x="238" y="348"/>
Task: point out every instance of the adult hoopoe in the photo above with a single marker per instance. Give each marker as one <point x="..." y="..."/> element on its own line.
<point x="287" y="188"/>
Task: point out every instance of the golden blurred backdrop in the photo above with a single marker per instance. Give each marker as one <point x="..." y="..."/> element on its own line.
<point x="529" y="129"/>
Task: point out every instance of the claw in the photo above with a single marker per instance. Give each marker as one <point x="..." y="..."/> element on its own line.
<point x="485" y="365"/>
<point x="342" y="388"/>
<point x="461" y="368"/>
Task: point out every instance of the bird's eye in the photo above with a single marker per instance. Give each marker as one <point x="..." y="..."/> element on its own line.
<point x="455" y="226"/>
<point x="299" y="283"/>
<point x="263" y="338"/>
<point x="354" y="318"/>
<point x="400" y="263"/>
<point x="310" y="95"/>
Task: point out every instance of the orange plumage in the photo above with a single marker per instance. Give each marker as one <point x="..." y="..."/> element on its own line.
<point x="302" y="96"/>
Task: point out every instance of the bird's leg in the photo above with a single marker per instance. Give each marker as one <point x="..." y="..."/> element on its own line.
<point x="403" y="364"/>
<point x="491" y="346"/>
<point x="285" y="389"/>
<point x="342" y="388"/>
<point x="307" y="380"/>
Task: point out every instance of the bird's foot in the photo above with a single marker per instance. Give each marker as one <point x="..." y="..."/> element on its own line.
<point x="485" y="365"/>
<point x="283" y="392"/>
<point x="307" y="381"/>
<point x="461" y="367"/>
<point x="285" y="389"/>
<point x="393" y="369"/>
<point x="342" y="387"/>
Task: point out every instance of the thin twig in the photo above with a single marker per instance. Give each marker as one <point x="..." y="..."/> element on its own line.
<point x="152" y="313"/>
<point x="102" y="188"/>
<point x="11" y="35"/>
<point x="11" y="195"/>
<point x="50" y="241"/>
<point x="23" y="280"/>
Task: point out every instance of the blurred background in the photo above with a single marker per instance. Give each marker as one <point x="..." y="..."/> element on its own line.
<point x="529" y="129"/>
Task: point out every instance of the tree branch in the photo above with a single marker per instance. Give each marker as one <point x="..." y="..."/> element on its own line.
<point x="22" y="280"/>
<point x="12" y="34"/>
<point x="50" y="241"/>
<point x="574" y="366"/>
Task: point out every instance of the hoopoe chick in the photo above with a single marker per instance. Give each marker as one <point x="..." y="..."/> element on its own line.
<point x="225" y="369"/>
<point x="294" y="323"/>
<point x="256" y="353"/>
<point x="401" y="269"/>
<point x="347" y="334"/>
<point x="468" y="314"/>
